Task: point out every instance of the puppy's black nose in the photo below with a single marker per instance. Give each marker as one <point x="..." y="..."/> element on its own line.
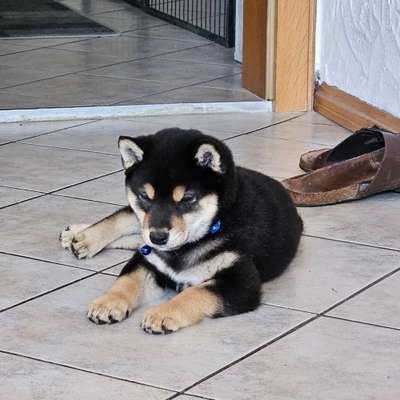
<point x="159" y="237"/>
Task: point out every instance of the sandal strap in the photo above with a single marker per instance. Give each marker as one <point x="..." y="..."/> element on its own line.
<point x="388" y="174"/>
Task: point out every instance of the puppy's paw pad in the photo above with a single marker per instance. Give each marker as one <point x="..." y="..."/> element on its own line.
<point x="109" y="309"/>
<point x="68" y="234"/>
<point x="159" y="322"/>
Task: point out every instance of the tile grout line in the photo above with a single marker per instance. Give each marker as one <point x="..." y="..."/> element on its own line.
<point x="246" y="355"/>
<point x="164" y="91"/>
<point x="91" y="200"/>
<point x="202" y="82"/>
<point x="40" y="47"/>
<point x="63" y="188"/>
<point x="85" y="370"/>
<point x="361" y="290"/>
<point x="50" y="146"/>
<point x="93" y="68"/>
<point x="348" y="241"/>
<point x="94" y="273"/>
<point x="361" y="322"/>
<point x="43" y="260"/>
<point x="290" y="331"/>
<point x="45" y="133"/>
<point x="264" y="127"/>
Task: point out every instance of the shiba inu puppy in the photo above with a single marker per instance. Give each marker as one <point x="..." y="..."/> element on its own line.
<point x="209" y="230"/>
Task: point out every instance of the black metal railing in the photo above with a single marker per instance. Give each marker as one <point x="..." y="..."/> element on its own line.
<point x="213" y="19"/>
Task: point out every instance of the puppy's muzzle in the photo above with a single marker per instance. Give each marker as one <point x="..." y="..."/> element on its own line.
<point x="159" y="237"/>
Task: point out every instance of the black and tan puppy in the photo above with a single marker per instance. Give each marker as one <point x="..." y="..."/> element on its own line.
<point x="210" y="230"/>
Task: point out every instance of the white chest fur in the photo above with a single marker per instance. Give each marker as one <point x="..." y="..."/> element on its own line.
<point x="196" y="272"/>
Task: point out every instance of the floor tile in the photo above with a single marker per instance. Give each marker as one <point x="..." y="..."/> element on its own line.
<point x="96" y="6"/>
<point x="176" y="72"/>
<point x="327" y="359"/>
<point x="194" y="94"/>
<point x="213" y="54"/>
<point x="230" y="123"/>
<point x="109" y="189"/>
<point x="326" y="135"/>
<point x="312" y="117"/>
<point x="23" y="278"/>
<point x="127" y="20"/>
<point x="377" y="305"/>
<point x="36" y="42"/>
<point x="27" y="379"/>
<point x="7" y="47"/>
<point x="228" y="82"/>
<point x="123" y="48"/>
<point x="80" y="90"/>
<point x="18" y="75"/>
<point x="32" y="229"/>
<point x="116" y="270"/>
<point x="19" y="101"/>
<point x="168" y="31"/>
<point x="107" y="132"/>
<point x="99" y="136"/>
<point x="20" y="130"/>
<point x="325" y="272"/>
<point x="274" y="157"/>
<point x="55" y="61"/>
<point x="374" y="221"/>
<point x="45" y="169"/>
<point x="124" y="350"/>
<point x="10" y="196"/>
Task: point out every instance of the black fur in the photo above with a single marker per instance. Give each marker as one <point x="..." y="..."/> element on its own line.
<point x="259" y="221"/>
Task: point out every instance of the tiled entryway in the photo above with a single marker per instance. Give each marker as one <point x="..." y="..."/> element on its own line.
<point x="151" y="61"/>
<point x="329" y="328"/>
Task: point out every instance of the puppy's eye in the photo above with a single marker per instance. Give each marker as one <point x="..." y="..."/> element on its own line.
<point x="189" y="198"/>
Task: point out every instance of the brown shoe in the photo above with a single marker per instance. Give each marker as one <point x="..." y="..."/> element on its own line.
<point x="363" y="141"/>
<point x="374" y="167"/>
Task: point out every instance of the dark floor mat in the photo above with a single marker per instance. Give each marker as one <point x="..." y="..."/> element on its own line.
<point x="45" y="18"/>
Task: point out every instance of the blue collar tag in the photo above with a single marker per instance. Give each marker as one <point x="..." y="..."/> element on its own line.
<point x="146" y="250"/>
<point x="215" y="227"/>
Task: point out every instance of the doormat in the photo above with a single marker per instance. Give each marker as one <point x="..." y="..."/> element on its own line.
<point x="45" y="18"/>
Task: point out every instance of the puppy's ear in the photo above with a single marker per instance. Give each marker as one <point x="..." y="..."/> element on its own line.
<point x="131" y="151"/>
<point x="207" y="156"/>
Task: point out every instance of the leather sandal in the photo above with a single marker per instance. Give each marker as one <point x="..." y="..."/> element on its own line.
<point x="366" y="163"/>
<point x="362" y="141"/>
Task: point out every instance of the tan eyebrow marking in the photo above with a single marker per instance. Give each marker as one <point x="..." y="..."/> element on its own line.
<point x="149" y="189"/>
<point x="177" y="193"/>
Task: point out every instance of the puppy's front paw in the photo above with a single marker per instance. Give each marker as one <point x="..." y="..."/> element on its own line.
<point x="83" y="246"/>
<point x="109" y="309"/>
<point x="162" y="320"/>
<point x="68" y="234"/>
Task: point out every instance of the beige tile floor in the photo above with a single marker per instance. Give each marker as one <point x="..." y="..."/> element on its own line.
<point x="150" y="61"/>
<point x="328" y="328"/>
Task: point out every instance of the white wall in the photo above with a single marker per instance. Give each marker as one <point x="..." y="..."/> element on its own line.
<point x="238" y="30"/>
<point x="358" y="49"/>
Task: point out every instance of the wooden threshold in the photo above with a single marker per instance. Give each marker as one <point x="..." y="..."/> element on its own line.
<point x="351" y="112"/>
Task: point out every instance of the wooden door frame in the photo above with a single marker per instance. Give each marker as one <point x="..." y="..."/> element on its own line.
<point x="285" y="30"/>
